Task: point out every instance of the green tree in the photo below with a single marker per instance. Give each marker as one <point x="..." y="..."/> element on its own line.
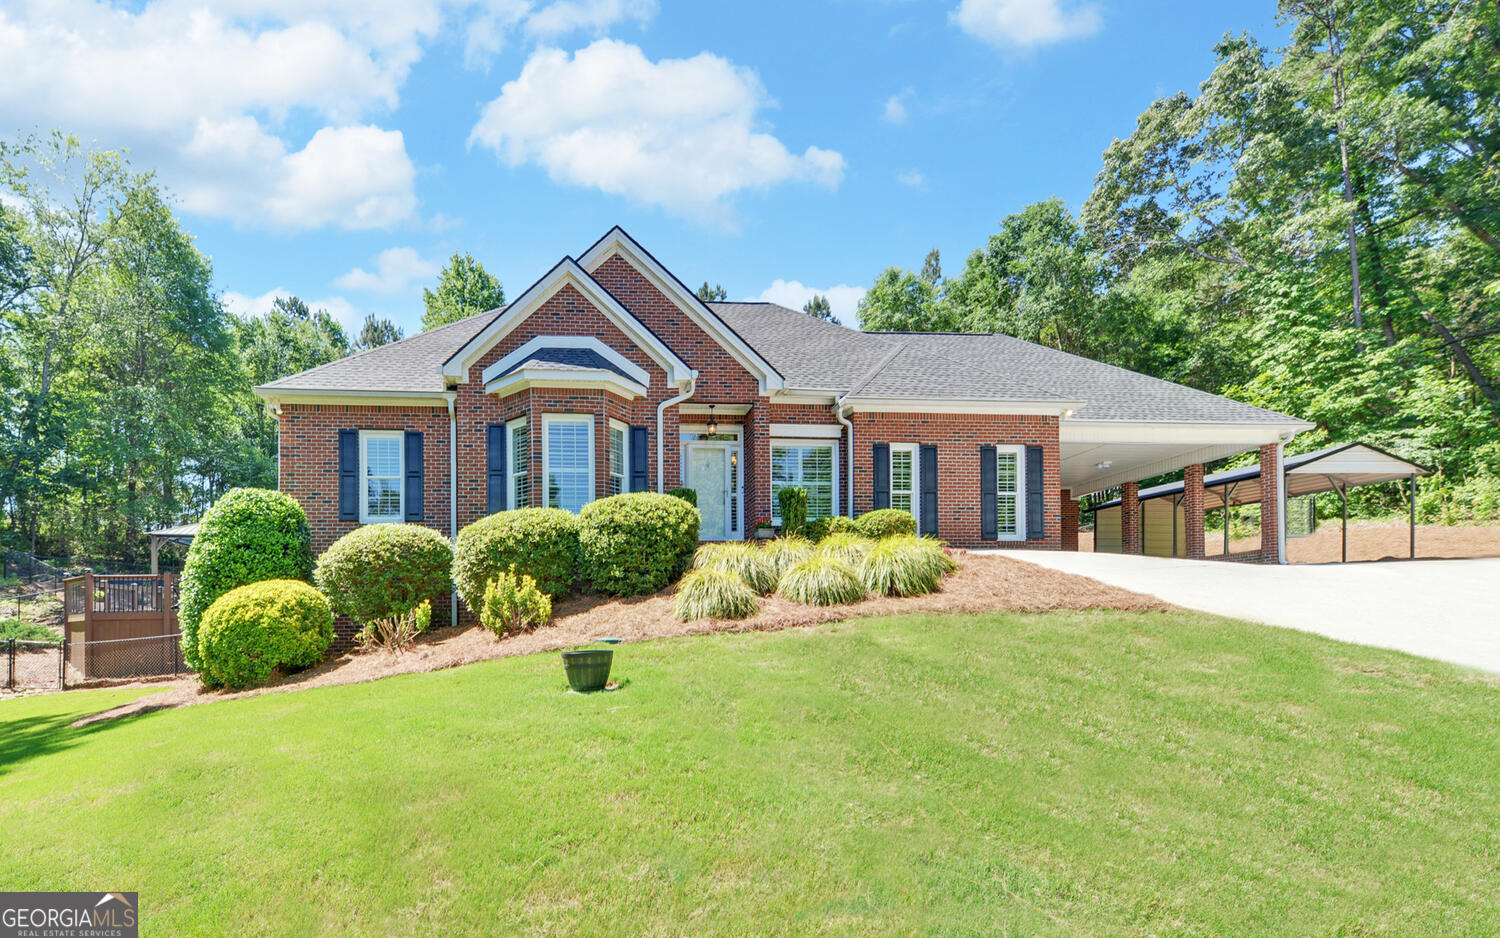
<point x="377" y="331"/>
<point x="464" y="289"/>
<point x="818" y="308"/>
<point x="901" y="301"/>
<point x="712" y="294"/>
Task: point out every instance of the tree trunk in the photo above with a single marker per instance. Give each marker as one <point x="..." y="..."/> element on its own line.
<point x="1461" y="355"/>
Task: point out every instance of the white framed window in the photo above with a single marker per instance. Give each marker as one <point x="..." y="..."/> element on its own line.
<point x="619" y="458"/>
<point x="568" y="460"/>
<point x="381" y="473"/>
<point x="904" y="495"/>
<point x="808" y="464"/>
<point x="519" y="470"/>
<point x="1010" y="489"/>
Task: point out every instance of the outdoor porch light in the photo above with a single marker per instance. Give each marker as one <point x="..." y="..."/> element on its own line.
<point x="1103" y="465"/>
<point x="713" y="424"/>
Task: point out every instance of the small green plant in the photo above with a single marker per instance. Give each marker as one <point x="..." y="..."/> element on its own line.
<point x="514" y="603"/>
<point x="850" y="548"/>
<point x="714" y="593"/>
<point x="686" y="494"/>
<point x="23" y="631"/>
<point x="822" y="580"/>
<point x="252" y="630"/>
<point x="383" y="571"/>
<point x="884" y="522"/>
<point x="786" y="552"/>
<point x="635" y="544"/>
<point x="395" y="633"/>
<point x="793" y="502"/>
<point x="750" y="563"/>
<point x="905" y="565"/>
<point x="539" y="542"/>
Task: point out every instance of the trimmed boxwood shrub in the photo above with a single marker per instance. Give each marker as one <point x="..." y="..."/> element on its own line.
<point x="688" y="495"/>
<point x="249" y="535"/>
<point x="541" y="543"/>
<point x="822" y="580"/>
<point x="631" y="545"/>
<point x="793" y="503"/>
<point x="714" y="593"/>
<point x="252" y="630"/>
<point x="382" y="571"/>
<point x="884" y="522"/>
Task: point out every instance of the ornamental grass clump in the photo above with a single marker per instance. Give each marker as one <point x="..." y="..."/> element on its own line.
<point x="905" y="565"/>
<point x="850" y="548"/>
<point x="714" y="593"/>
<point x="784" y="553"/>
<point x="822" y="580"/>
<point x="514" y="603"/>
<point x="749" y="562"/>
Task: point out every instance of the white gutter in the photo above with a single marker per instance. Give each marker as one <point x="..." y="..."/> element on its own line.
<point x="661" y="429"/>
<point x="838" y="414"/>
<point x="452" y="496"/>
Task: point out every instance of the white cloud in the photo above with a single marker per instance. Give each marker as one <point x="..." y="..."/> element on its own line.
<point x="793" y="294"/>
<point x="895" y="107"/>
<point x="681" y="134"/>
<point x="1026" y="23"/>
<point x="568" y="16"/>
<point x="395" y="269"/>
<point x="912" y="177"/>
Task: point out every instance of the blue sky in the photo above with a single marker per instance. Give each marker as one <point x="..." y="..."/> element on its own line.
<point x="342" y="149"/>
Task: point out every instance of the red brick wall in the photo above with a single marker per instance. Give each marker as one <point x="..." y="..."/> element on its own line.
<point x="1069" y="520"/>
<point x="1270" y="505"/>
<point x="958" y="438"/>
<point x="1192" y="509"/>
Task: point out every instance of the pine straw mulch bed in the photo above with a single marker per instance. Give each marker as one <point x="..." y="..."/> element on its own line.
<point x="983" y="583"/>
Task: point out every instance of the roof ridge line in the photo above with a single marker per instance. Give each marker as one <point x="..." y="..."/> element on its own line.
<point x="878" y="367"/>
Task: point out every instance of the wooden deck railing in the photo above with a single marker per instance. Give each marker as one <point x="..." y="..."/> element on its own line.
<point x="109" y="607"/>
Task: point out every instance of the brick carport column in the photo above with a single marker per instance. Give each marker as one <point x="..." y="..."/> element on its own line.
<point x="1069" y="520"/>
<point x="1270" y="505"/>
<point x="1130" y="518"/>
<point x="1192" y="510"/>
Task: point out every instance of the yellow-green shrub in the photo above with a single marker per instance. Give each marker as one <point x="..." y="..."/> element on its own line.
<point x="634" y="544"/>
<point x="514" y="603"/>
<point x="747" y="561"/>
<point x="383" y="571"/>
<point x="714" y="593"/>
<point x="783" y="553"/>
<point x="822" y="580"/>
<point x="539" y="542"/>
<point x="850" y="548"/>
<point x="904" y="565"/>
<point x="252" y="630"/>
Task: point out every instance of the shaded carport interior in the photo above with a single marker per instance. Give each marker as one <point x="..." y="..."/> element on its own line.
<point x="1335" y="469"/>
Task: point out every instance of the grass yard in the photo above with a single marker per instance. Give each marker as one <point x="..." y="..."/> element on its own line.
<point x="1081" y="773"/>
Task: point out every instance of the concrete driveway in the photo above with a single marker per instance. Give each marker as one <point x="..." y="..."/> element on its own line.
<point x="1444" y="609"/>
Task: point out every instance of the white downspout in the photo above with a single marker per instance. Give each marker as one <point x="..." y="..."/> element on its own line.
<point x="1281" y="496"/>
<point x="838" y="413"/>
<point x="452" y="396"/>
<point x="691" y="385"/>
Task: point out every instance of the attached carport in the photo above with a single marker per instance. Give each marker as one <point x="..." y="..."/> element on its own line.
<point x="1335" y="469"/>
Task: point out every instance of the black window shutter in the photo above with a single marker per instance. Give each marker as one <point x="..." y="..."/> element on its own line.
<point x="494" y="463"/>
<point x="348" y="475"/>
<point x="414" y="476"/>
<point x="882" y="475"/>
<point x="640" y="476"/>
<point x="988" y="521"/>
<point x="928" y="478"/>
<point x="1036" y="520"/>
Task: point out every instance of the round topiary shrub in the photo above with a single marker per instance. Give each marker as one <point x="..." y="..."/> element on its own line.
<point x="884" y="522"/>
<point x="249" y="535"/>
<point x="382" y="571"/>
<point x="822" y="580"/>
<point x="541" y="543"/>
<point x="714" y="593"/>
<point x="252" y="630"/>
<point x="631" y="545"/>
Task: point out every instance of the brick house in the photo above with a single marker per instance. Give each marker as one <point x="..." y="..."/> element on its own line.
<point x="609" y="375"/>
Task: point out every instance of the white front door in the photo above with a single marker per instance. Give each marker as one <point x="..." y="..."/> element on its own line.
<point x="712" y="473"/>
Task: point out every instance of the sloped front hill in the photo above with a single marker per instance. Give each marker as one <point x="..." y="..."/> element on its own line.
<point x="1077" y="773"/>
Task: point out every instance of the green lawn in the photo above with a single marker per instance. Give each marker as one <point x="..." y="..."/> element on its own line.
<point x="1072" y="773"/>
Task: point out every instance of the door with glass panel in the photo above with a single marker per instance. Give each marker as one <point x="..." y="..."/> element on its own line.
<point x="713" y="473"/>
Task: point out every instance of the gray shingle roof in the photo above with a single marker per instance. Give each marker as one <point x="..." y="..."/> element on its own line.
<point x="568" y="359"/>
<point x="817" y="355"/>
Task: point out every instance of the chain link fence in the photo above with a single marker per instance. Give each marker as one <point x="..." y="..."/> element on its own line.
<point x="62" y="664"/>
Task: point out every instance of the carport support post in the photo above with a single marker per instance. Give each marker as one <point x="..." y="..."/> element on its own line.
<point x="1193" y="499"/>
<point x="1130" y="518"/>
<point x="1271" y="520"/>
<point x="1411" y="515"/>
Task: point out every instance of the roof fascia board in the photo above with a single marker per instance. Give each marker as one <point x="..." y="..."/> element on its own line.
<point x="543" y="378"/>
<point x="592" y="343"/>
<point x="617" y="240"/>
<point x="949" y="406"/>
<point x="1245" y="435"/>
<point x="275" y="397"/>
<point x="565" y="272"/>
<point x="1347" y="462"/>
